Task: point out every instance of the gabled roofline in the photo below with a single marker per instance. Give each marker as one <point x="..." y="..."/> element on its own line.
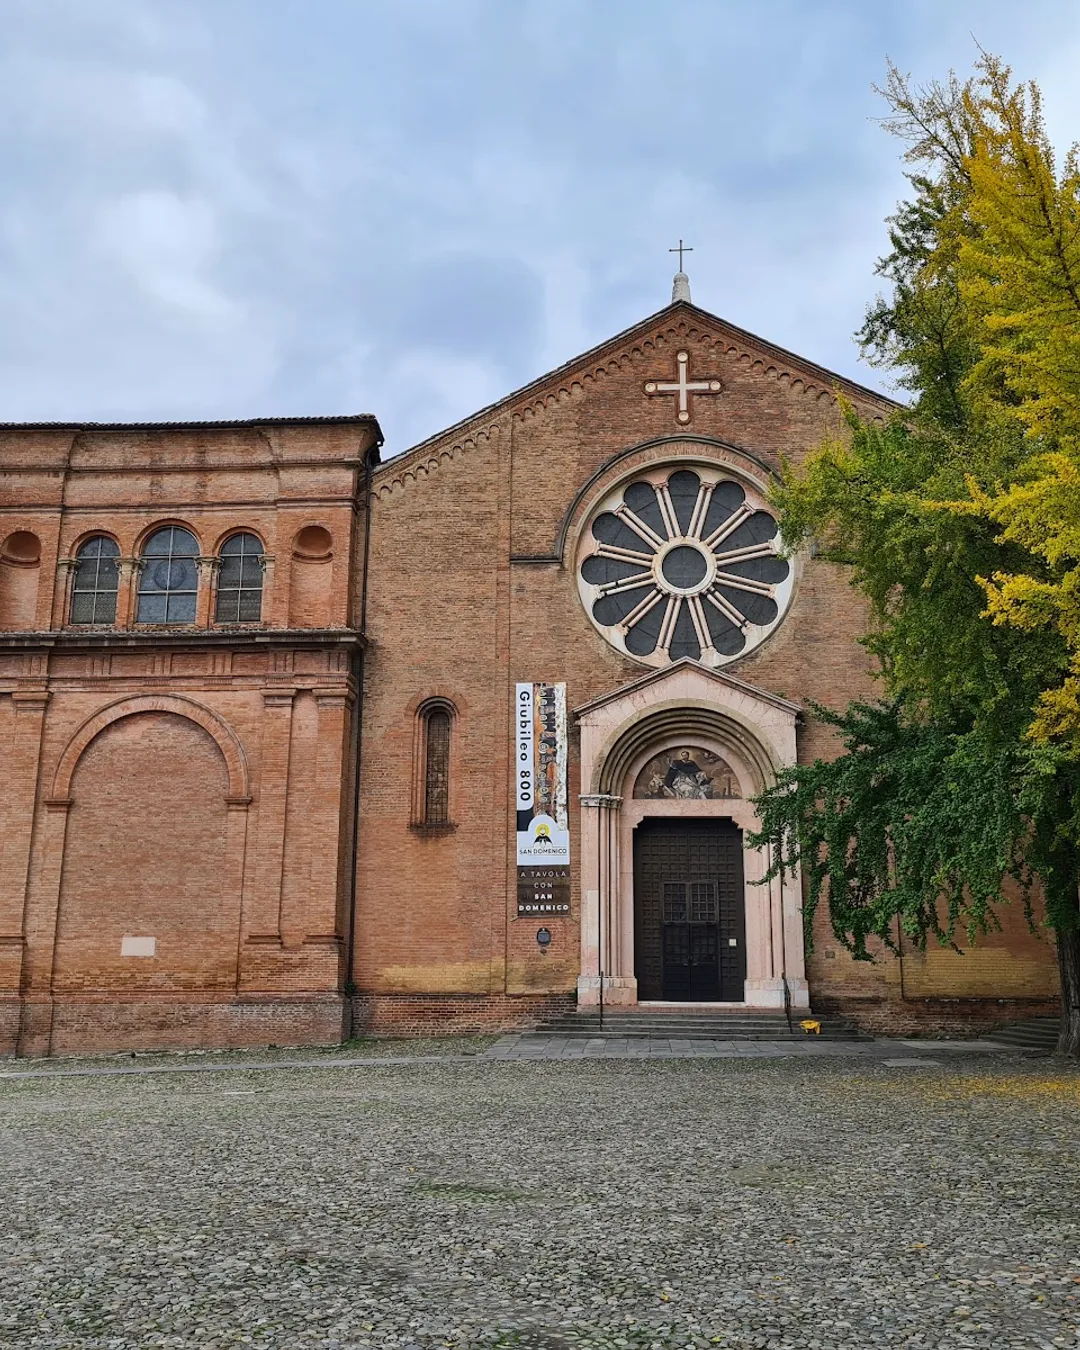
<point x="664" y="672"/>
<point x="820" y="373"/>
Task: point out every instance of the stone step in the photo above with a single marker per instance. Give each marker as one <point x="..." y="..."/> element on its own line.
<point x="672" y="1024"/>
<point x="674" y="1018"/>
<point x="1035" y="1033"/>
<point x="697" y="1026"/>
<point x="684" y="1019"/>
<point x="748" y="1036"/>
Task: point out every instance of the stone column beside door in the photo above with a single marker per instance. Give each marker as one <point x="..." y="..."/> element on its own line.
<point x="606" y="948"/>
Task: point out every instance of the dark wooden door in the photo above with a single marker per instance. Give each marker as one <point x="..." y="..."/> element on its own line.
<point x="689" y="911"/>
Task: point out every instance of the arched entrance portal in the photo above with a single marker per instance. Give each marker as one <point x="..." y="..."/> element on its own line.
<point x="671" y="908"/>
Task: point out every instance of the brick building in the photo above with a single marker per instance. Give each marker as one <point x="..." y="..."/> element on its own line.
<point x="296" y="744"/>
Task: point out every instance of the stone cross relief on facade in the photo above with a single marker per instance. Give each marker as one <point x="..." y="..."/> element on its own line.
<point x="682" y="387"/>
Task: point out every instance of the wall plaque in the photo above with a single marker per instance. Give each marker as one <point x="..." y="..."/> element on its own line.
<point x="543" y="891"/>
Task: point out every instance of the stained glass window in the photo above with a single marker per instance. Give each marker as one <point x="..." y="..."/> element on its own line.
<point x="437" y="767"/>
<point x="169" y="581"/>
<point x="93" y="590"/>
<point x="240" y="580"/>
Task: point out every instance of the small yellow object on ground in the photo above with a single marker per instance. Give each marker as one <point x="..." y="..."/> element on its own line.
<point x="809" y="1025"/>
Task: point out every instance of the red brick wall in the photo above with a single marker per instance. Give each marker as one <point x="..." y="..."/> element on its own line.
<point x="103" y="1022"/>
<point x="472" y="588"/>
<point x="450" y="1014"/>
<point x="936" y="1017"/>
<point x="430" y="904"/>
<point x="463" y="621"/>
<point x="145" y="856"/>
<point x="191" y="784"/>
<point x="18" y="594"/>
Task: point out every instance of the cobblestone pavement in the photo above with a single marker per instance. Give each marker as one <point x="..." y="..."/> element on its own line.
<point x="896" y="1198"/>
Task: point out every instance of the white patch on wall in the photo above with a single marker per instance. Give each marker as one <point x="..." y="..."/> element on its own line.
<point x="138" y="946"/>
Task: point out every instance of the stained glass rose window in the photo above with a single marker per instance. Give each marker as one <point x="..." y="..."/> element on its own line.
<point x="684" y="563"/>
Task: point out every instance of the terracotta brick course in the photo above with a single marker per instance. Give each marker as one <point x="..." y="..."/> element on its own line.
<point x="420" y="1015"/>
<point x="940" y="1017"/>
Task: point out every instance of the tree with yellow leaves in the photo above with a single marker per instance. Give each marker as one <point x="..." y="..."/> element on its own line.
<point x="1018" y="274"/>
<point x="960" y="522"/>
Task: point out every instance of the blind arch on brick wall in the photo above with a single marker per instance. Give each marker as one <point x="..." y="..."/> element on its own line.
<point x="433" y="768"/>
<point x="20" y="571"/>
<point x="216" y="727"/>
<point x="145" y="864"/>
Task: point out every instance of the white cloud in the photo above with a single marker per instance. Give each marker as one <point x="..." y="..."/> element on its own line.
<point x="411" y="208"/>
<point x="166" y="244"/>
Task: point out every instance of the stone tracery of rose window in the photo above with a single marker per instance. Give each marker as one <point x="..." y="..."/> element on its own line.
<point x="683" y="563"/>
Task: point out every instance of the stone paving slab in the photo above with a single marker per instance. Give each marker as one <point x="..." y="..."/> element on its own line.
<point x="985" y="1043"/>
<point x="516" y="1047"/>
<point x="534" y="1047"/>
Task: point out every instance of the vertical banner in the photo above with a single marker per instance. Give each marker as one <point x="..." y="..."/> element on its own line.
<point x="543" y="821"/>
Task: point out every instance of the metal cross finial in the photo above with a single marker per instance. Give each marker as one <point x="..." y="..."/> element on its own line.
<point x="683" y="248"/>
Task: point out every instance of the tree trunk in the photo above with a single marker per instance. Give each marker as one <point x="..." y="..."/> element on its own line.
<point x="1068" y="948"/>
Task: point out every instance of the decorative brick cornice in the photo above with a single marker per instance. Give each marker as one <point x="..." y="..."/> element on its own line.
<point x="785" y="367"/>
<point x="279" y="698"/>
<point x="30" y="700"/>
<point x="126" y="639"/>
<point x="338" y="696"/>
<point x="681" y="323"/>
<point x="418" y="463"/>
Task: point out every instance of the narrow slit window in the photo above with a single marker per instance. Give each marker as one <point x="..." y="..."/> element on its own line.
<point x="94" y="588"/>
<point x="437" y="767"/>
<point x="240" y="580"/>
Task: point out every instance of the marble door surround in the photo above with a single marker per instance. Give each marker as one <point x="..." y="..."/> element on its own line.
<point x="754" y="732"/>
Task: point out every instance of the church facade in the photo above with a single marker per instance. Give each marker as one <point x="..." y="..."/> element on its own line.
<point x="298" y="745"/>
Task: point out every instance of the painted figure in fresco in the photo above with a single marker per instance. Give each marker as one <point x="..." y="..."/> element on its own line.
<point x="686" y="778"/>
<point x="689" y="773"/>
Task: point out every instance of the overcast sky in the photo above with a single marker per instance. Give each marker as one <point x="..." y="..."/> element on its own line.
<point x="234" y="208"/>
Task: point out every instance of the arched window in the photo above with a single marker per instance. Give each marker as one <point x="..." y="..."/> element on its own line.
<point x="93" y="590"/>
<point x="240" y="580"/>
<point x="169" y="583"/>
<point x="437" y="766"/>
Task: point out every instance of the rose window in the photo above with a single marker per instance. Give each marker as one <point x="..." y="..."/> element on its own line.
<point x="684" y="563"/>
